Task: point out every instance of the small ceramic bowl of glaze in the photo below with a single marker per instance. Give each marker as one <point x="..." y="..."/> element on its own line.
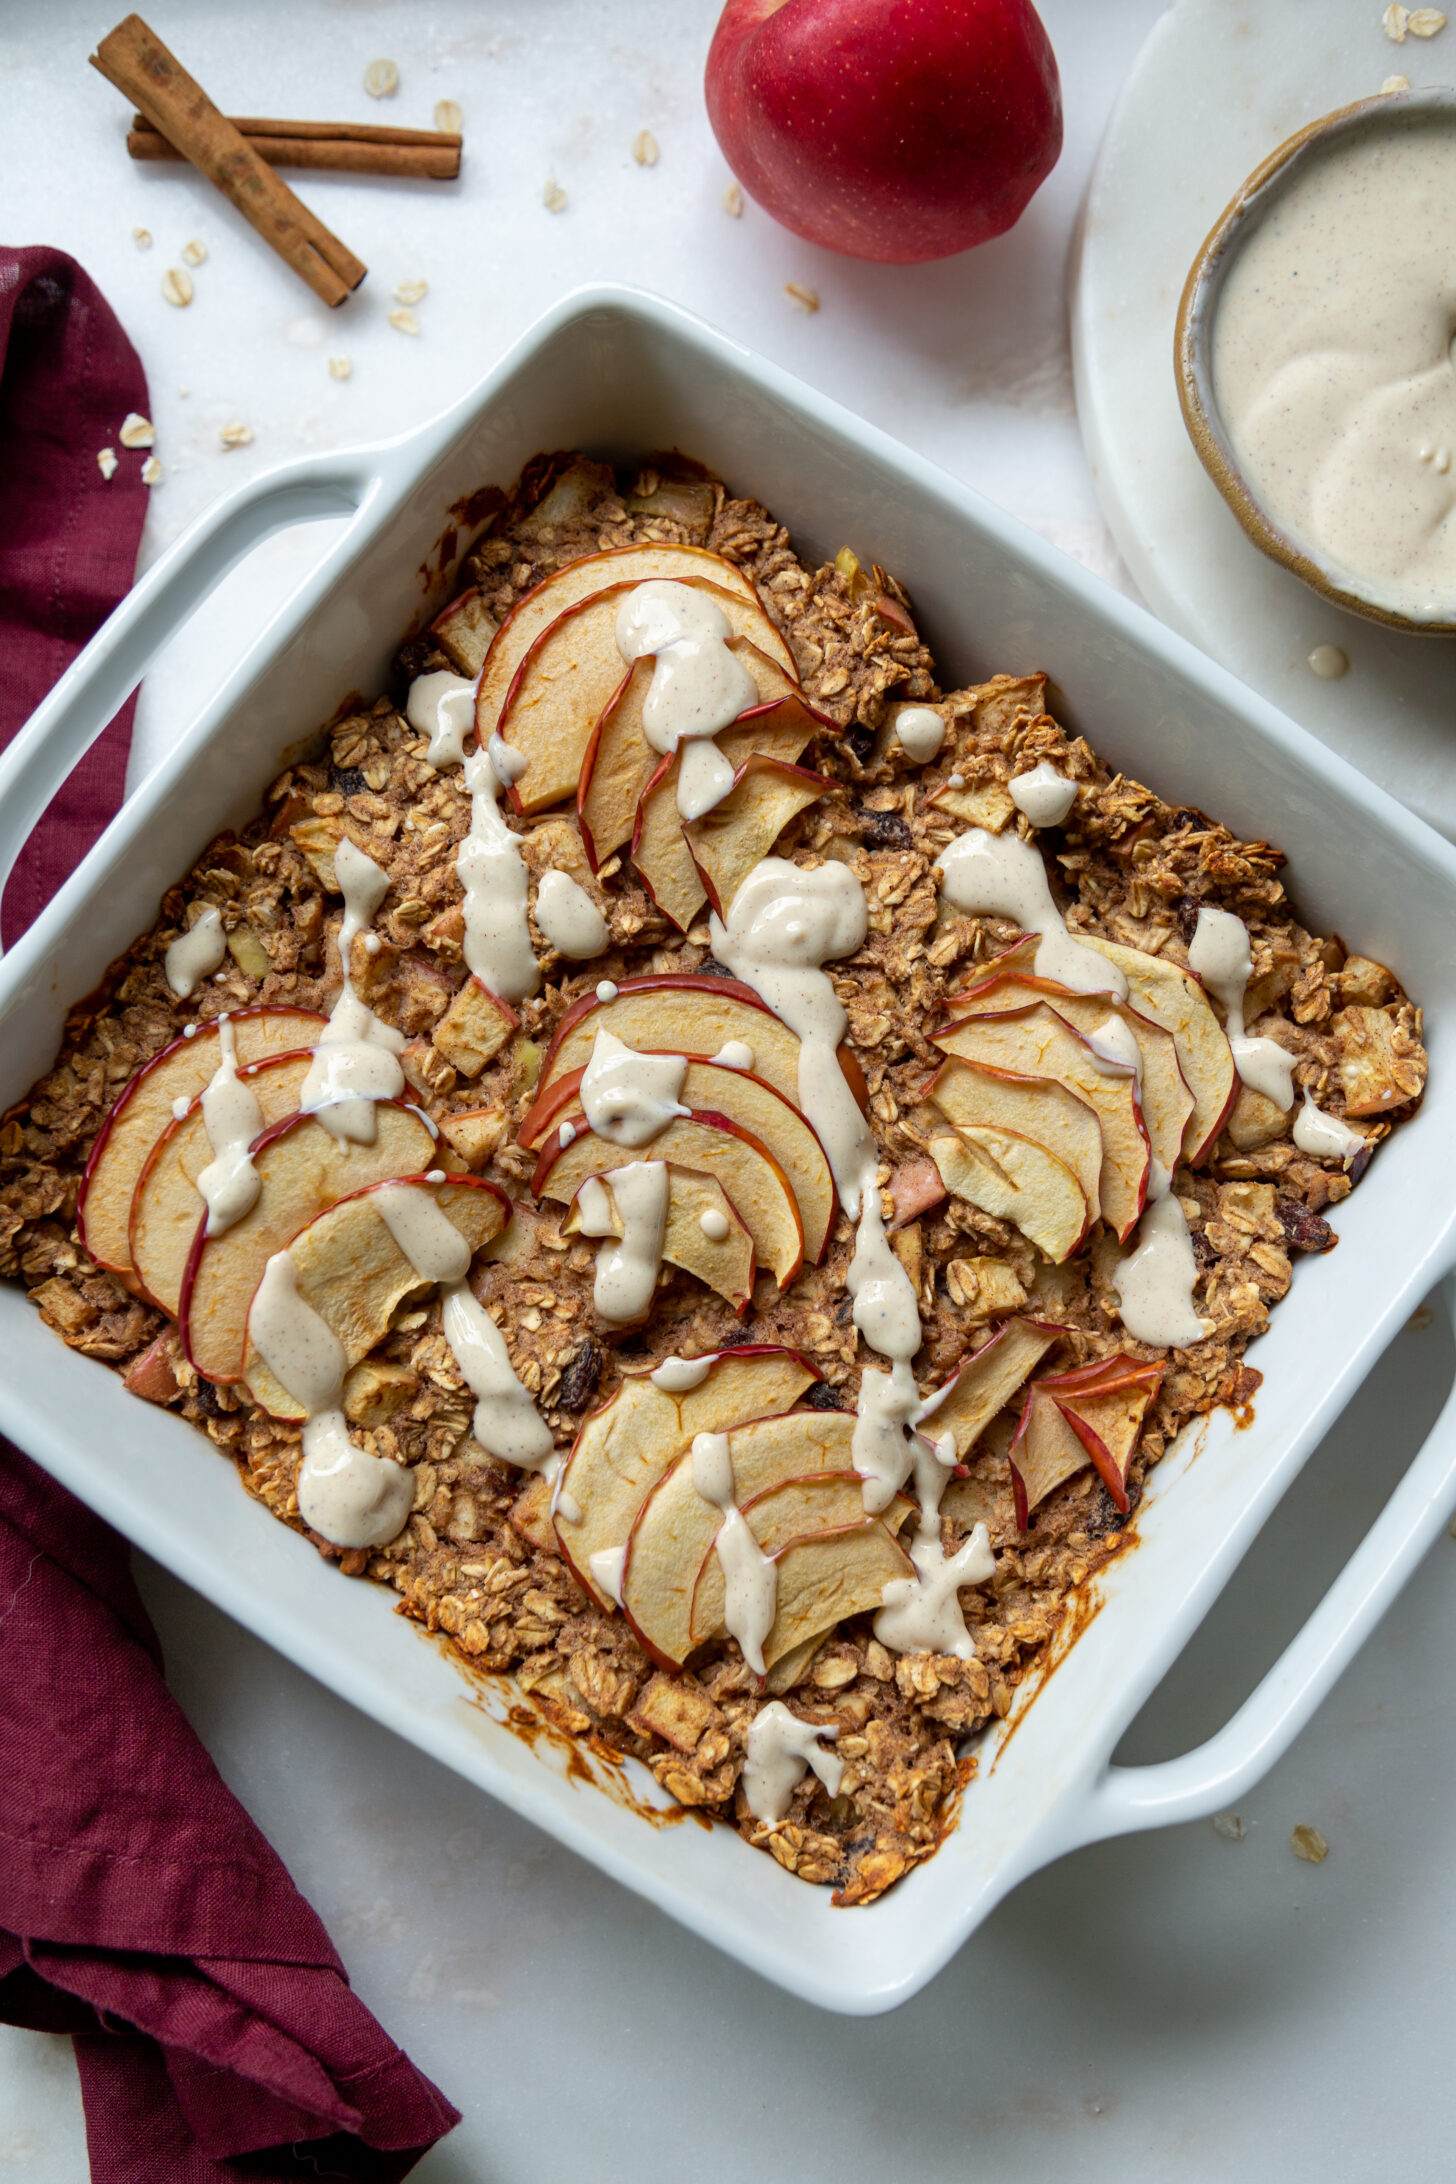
<point x="1324" y="410"/>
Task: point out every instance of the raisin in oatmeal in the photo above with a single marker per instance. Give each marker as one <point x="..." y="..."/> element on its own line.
<point x="719" y="1187"/>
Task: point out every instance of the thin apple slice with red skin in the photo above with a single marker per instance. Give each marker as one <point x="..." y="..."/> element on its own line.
<point x="1036" y="1042"/>
<point x="826" y="1501"/>
<point x="167" y="1204"/>
<point x="976" y="1095"/>
<point x="573" y="672"/>
<point x="1167" y="1103"/>
<point x="303" y="1170"/>
<point x="143" y="1109"/>
<point x="726" y="1264"/>
<point x="826" y="1576"/>
<point x="988" y="1379"/>
<point x="351" y="1271"/>
<point x="660" y="853"/>
<point x="619" y="758"/>
<point x="729" y="841"/>
<point x="773" y="1121"/>
<point x="464" y="631"/>
<point x="683" y="1012"/>
<point x="1093" y="1415"/>
<point x="715" y="1144"/>
<point x="1169" y="995"/>
<point x="578" y="580"/>
<point x="675" y="1527"/>
<point x="1015" y="1179"/>
<point x="624" y="1448"/>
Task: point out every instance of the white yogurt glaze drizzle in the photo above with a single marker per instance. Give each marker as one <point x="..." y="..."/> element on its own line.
<point x="698" y="685"/>
<point x="1154" y="1280"/>
<point x="507" y="1423"/>
<point x="627" y="1266"/>
<point x="1044" y="795"/>
<point x="608" y="1566"/>
<point x="714" y="1224"/>
<point x="780" y="1750"/>
<point x="607" y="990"/>
<point x="442" y="707"/>
<point x="680" y="1375"/>
<point x="734" y="1054"/>
<point x="629" y="1098"/>
<point x="356" y="1062"/>
<point x="1000" y="875"/>
<point x="920" y="733"/>
<point x="493" y="874"/>
<point x="1325" y="1137"/>
<point x="344" y="1493"/>
<point x="750" y="1581"/>
<point x="1220" y="955"/>
<point x="232" y="1119"/>
<point x="423" y="1231"/>
<point x="569" y="918"/>
<point x="195" y="954"/>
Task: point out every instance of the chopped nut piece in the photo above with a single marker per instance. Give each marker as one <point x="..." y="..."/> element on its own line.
<point x="236" y="435"/>
<point x="177" y="287"/>
<point x="381" y="79"/>
<point x="136" y="430"/>
<point x="802" y="296"/>
<point x="404" y="321"/>
<point x="1307" y="1843"/>
<point x="194" y="253"/>
<point x="107" y="462"/>
<point x="644" y="148"/>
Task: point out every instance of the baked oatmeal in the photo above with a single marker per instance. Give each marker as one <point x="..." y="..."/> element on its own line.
<point x="710" y="1165"/>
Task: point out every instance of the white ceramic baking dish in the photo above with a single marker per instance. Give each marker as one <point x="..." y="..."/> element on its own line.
<point x="620" y="374"/>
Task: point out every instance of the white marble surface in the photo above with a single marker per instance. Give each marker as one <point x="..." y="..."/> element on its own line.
<point x="1179" y="2002"/>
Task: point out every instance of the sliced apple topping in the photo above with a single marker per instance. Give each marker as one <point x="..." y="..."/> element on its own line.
<point x="571" y="675"/>
<point x="704" y="1234"/>
<point x="302" y="1169"/>
<point x="1091" y="1416"/>
<point x="825" y="1501"/>
<point x="1166" y="1101"/>
<point x="1035" y="1042"/>
<point x="1174" y="998"/>
<point x="728" y="842"/>
<point x="534" y="614"/>
<point x="675" y="1526"/>
<point x="144" y="1108"/>
<point x="350" y="1269"/>
<point x="827" y="1576"/>
<point x="976" y="1095"/>
<point x="987" y="1380"/>
<point x="167" y="1204"/>
<point x="620" y="760"/>
<point x="1014" y="1179"/>
<point x="715" y="1145"/>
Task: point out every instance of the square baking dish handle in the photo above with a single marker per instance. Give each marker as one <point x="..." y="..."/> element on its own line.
<point x="1124" y="1799"/>
<point x="100" y="679"/>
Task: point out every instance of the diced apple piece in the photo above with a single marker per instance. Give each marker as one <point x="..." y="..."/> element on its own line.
<point x="915" y="1186"/>
<point x="167" y="1205"/>
<point x="725" y="1264"/>
<point x="1174" y="998"/>
<point x="975" y="1095"/>
<point x="474" y="1028"/>
<point x="1035" y="1042"/>
<point x="675" y="1527"/>
<point x="988" y="1380"/>
<point x="1166" y="1101"/>
<point x="987" y="1496"/>
<point x="765" y="1114"/>
<point x="738" y="833"/>
<point x="1015" y="1179"/>
<point x="143" y="1110"/>
<point x="985" y="804"/>
<point x="303" y="1170"/>
<point x="826" y="1501"/>
<point x="474" y="1133"/>
<point x="624" y="1448"/>
<point x="676" y="1711"/>
<point x="714" y="1144"/>
<point x="578" y="580"/>
<point x="464" y="632"/>
<point x="827" y="1576"/>
<point x="1093" y="1415"/>
<point x="1380" y="1065"/>
<point x="619" y="759"/>
<point x="570" y="676"/>
<point x="354" y="1275"/>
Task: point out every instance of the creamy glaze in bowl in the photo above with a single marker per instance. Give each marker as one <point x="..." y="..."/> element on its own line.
<point x="1315" y="362"/>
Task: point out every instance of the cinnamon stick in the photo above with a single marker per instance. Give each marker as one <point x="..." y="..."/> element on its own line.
<point x="341" y="147"/>
<point x="134" y="59"/>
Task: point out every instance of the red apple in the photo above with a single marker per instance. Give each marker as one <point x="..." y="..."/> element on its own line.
<point x="890" y="129"/>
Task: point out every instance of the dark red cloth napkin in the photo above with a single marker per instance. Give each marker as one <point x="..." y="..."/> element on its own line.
<point x="140" y="1908"/>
